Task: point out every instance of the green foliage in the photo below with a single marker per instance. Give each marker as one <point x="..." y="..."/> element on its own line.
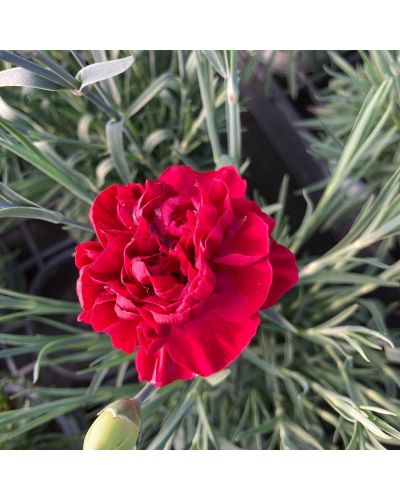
<point x="341" y="102"/>
<point x="322" y="373"/>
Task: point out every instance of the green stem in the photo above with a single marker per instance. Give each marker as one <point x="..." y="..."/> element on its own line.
<point x="145" y="393"/>
<point x="205" y="82"/>
<point x="233" y="108"/>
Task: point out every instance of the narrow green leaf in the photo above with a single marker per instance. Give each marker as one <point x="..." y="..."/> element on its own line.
<point x="19" y="77"/>
<point x="204" y="75"/>
<point x="98" y="72"/>
<point x="218" y="378"/>
<point x="217" y="62"/>
<point x="10" y="195"/>
<point x="166" y="80"/>
<point x="96" y="382"/>
<point x="32" y="67"/>
<point x="114" y="133"/>
<point x="264" y="428"/>
<point x="70" y="179"/>
<point x="156" y="138"/>
<point x="176" y="415"/>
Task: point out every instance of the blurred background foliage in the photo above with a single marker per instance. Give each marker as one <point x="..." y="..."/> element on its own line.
<point x="323" y="371"/>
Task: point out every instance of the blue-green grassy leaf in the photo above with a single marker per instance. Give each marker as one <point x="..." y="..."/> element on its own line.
<point x="166" y="80"/>
<point x="32" y="67"/>
<point x="75" y="182"/>
<point x="98" y="72"/>
<point x="39" y="213"/>
<point x="114" y="133"/>
<point x="217" y="62"/>
<point x="19" y="77"/>
<point x="156" y="138"/>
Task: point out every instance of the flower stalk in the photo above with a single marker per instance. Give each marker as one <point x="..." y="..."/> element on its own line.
<point x="232" y="107"/>
<point x="145" y="393"/>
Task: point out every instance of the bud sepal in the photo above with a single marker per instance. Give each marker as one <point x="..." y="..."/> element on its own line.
<point x="117" y="427"/>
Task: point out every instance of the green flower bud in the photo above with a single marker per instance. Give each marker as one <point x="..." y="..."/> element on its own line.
<point x="117" y="427"/>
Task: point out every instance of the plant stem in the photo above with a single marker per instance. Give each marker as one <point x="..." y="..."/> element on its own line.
<point x="145" y="393"/>
<point x="233" y="108"/>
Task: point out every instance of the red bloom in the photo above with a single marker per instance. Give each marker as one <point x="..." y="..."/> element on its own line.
<point x="181" y="268"/>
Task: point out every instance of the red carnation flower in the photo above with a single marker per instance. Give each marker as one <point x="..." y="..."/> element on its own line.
<point x="181" y="268"/>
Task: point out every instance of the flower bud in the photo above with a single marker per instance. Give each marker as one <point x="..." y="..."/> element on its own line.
<point x="116" y="427"/>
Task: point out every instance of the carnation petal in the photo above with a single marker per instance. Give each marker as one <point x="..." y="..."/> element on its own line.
<point x="86" y="253"/>
<point x="242" y="290"/>
<point x="88" y="290"/>
<point x="103" y="213"/>
<point x="123" y="335"/>
<point x="180" y="177"/>
<point x="245" y="243"/>
<point x="230" y="175"/>
<point x="122" y="331"/>
<point x="110" y="261"/>
<point x="284" y="275"/>
<point x="159" y="368"/>
<point x="210" y="343"/>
